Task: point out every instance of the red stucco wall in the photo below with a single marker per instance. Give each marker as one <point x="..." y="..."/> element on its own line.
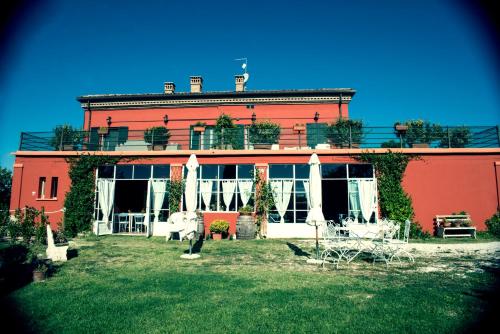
<point x="443" y="184"/>
<point x="440" y="182"/>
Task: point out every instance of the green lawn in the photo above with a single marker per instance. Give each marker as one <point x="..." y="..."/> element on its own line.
<point x="137" y="285"/>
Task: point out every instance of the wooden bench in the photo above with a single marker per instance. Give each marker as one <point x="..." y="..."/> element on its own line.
<point x="454" y="231"/>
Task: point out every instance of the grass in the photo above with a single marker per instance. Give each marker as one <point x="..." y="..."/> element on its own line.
<point x="137" y="285"/>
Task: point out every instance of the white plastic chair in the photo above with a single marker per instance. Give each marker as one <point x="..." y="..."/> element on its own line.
<point x="184" y="223"/>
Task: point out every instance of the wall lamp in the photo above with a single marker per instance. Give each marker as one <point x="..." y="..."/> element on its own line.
<point x="108" y="120"/>
<point x="316" y="116"/>
<point x="165" y="119"/>
<point x="254" y="117"/>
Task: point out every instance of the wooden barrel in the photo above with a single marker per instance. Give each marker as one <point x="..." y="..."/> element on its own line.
<point x="245" y="227"/>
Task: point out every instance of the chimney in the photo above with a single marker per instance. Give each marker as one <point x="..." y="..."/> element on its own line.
<point x="240" y="83"/>
<point x="169" y="88"/>
<point x="196" y="84"/>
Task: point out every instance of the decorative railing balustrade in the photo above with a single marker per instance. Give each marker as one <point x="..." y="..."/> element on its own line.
<point x="314" y="135"/>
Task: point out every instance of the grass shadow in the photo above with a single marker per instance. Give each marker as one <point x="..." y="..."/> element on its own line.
<point x="196" y="247"/>
<point x="297" y="250"/>
<point x="72" y="253"/>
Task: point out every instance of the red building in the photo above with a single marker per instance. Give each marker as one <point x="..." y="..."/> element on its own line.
<point x="442" y="181"/>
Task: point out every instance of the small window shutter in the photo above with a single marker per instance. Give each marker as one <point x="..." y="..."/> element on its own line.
<point x="316" y="134"/>
<point x="122" y="134"/>
<point x="195" y="140"/>
<point x="93" y="144"/>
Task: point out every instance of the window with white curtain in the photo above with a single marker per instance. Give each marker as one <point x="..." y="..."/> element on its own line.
<point x="220" y="187"/>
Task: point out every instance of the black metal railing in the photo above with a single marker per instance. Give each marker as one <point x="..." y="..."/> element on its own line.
<point x="314" y="135"/>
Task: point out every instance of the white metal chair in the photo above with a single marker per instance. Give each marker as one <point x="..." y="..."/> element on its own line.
<point x="340" y="244"/>
<point x="399" y="246"/>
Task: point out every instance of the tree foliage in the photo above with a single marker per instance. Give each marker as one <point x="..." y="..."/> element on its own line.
<point x="79" y="202"/>
<point x="395" y="203"/>
<point x="5" y="187"/>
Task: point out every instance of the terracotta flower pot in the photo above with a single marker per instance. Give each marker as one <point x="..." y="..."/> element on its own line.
<point x="38" y="276"/>
<point x="216" y="236"/>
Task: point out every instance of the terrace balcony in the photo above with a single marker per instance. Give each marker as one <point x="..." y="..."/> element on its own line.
<point x="302" y="137"/>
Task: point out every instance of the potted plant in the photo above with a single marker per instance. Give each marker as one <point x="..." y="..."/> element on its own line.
<point x="246" y="210"/>
<point x="264" y="133"/>
<point x="421" y="133"/>
<point x="299" y="127"/>
<point x="245" y="224"/>
<point x="66" y="138"/>
<point x="39" y="266"/>
<point x="456" y="137"/>
<point x="345" y="133"/>
<point x="103" y="130"/>
<point x="218" y="228"/>
<point x="157" y="137"/>
<point x="226" y="133"/>
<point x="199" y="127"/>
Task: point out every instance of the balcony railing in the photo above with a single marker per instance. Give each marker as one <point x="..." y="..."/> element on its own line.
<point x="315" y="135"/>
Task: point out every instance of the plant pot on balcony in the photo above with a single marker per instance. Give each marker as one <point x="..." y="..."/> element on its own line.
<point x="68" y="147"/>
<point x="262" y="146"/>
<point x="159" y="147"/>
<point x="103" y="130"/>
<point x="420" y="145"/>
<point x="199" y="129"/>
<point x="299" y="127"/>
<point x="401" y="127"/>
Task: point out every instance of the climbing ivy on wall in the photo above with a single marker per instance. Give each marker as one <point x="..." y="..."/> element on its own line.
<point x="394" y="202"/>
<point x="79" y="202"/>
<point x="175" y="192"/>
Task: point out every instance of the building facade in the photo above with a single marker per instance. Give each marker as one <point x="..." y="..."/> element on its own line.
<point x="441" y="181"/>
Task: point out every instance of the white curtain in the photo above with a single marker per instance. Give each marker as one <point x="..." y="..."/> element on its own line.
<point x="366" y="197"/>
<point x="282" y="190"/>
<point x="206" y="192"/>
<point x="228" y="188"/>
<point x="354" y="198"/>
<point x="306" y="188"/>
<point x="159" y="188"/>
<point x="245" y="187"/>
<point x="106" y="189"/>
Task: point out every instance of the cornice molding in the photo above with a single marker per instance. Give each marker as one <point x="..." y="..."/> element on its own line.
<point x="215" y="101"/>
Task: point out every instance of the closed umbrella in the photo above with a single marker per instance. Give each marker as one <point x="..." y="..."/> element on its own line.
<point x="315" y="215"/>
<point x="191" y="198"/>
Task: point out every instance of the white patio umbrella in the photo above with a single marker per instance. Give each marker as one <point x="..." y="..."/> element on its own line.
<point x="191" y="198"/>
<point x="315" y="215"/>
<point x="191" y="182"/>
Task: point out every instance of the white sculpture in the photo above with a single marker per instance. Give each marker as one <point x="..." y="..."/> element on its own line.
<point x="55" y="253"/>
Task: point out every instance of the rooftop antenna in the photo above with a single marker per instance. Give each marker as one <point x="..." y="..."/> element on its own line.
<point x="244" y="67"/>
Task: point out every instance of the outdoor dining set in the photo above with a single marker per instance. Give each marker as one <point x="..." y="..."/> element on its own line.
<point x="382" y="241"/>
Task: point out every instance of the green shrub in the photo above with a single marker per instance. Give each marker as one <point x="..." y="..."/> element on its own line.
<point x="66" y="135"/>
<point x="157" y="135"/>
<point x="28" y="224"/>
<point x="219" y="226"/>
<point x="14" y="226"/>
<point x="226" y="133"/>
<point x="421" y="132"/>
<point x="264" y="132"/>
<point x="345" y="132"/>
<point x="246" y="210"/>
<point x="493" y="224"/>
<point x="456" y="137"/>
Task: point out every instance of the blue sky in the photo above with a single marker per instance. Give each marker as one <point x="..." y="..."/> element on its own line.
<point x="433" y="60"/>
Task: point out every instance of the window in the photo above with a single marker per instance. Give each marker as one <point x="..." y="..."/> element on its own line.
<point x="225" y="187"/>
<point x="53" y="187"/>
<point x="41" y="187"/>
<point x="340" y="192"/>
<point x="294" y="176"/>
